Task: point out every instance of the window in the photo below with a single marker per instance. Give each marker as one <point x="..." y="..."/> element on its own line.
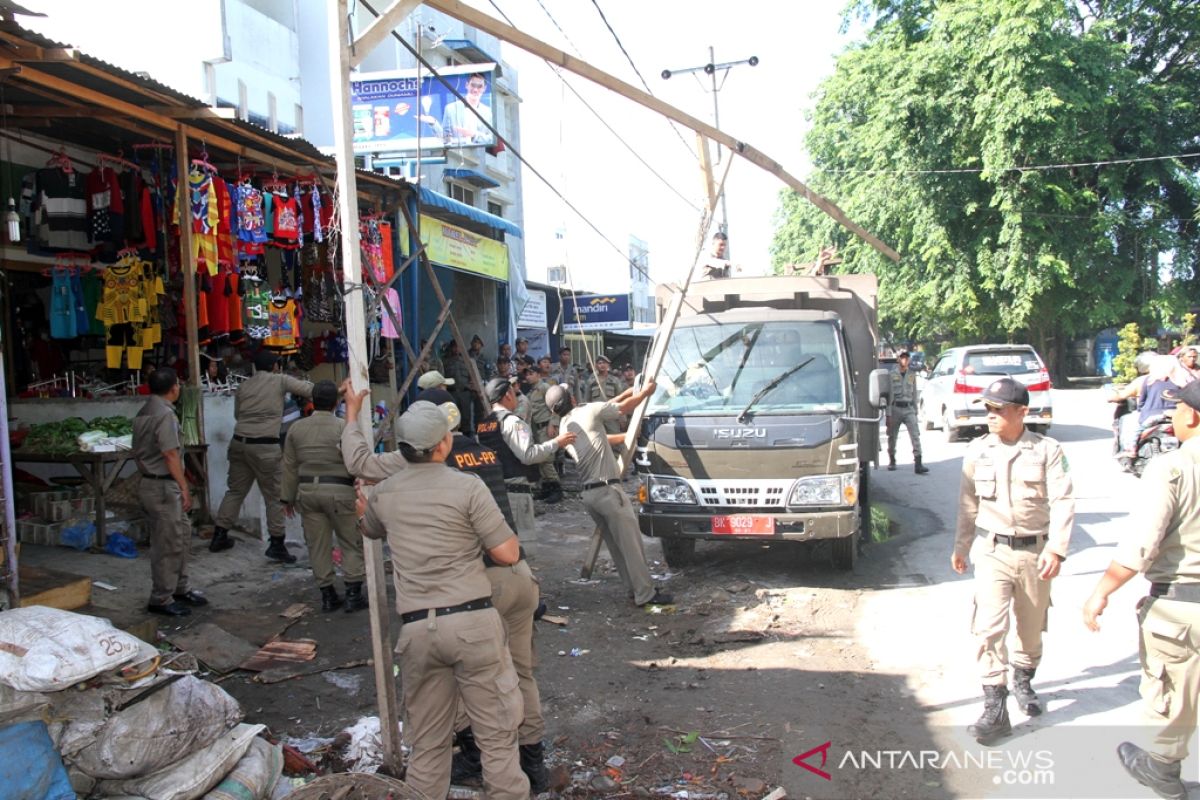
<point x="495" y="209"/>
<point x="462" y="194"/>
<point x="243" y="107"/>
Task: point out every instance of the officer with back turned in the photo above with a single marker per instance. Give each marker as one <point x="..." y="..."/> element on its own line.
<point x="1164" y="544"/>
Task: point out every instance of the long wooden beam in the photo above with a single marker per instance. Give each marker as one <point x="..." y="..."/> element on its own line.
<point x="509" y="34"/>
<point x="378" y="30"/>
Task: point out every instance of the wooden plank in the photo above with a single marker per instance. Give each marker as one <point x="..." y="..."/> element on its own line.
<point x="509" y="34"/>
<point x="379" y="28"/>
<point x="213" y="646"/>
<point x="279" y="653"/>
<point x="49" y="587"/>
<point x="187" y="259"/>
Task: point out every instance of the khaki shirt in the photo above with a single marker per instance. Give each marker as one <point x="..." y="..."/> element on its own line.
<point x="1164" y="539"/>
<point x="593" y="454"/>
<point x="258" y="404"/>
<point x="519" y="438"/>
<point x="904" y="388"/>
<point x="600" y="391"/>
<point x="456" y="369"/>
<point x="313" y="447"/>
<point x="361" y="460"/>
<point x="571" y="375"/>
<point x="539" y="412"/>
<point x="1021" y="489"/>
<point x="438" y="522"/>
<point x="155" y="431"/>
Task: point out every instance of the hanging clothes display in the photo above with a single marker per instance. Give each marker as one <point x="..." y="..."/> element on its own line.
<point x="256" y="305"/>
<point x="124" y="309"/>
<point x="204" y="208"/>
<point x="284" y="324"/>
<point x="64" y="324"/>
<point x="286" y="230"/>
<point x="251" y="221"/>
<point x="59" y="209"/>
<point x="389" y="329"/>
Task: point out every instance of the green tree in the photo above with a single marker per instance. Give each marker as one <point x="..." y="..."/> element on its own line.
<point x="932" y="132"/>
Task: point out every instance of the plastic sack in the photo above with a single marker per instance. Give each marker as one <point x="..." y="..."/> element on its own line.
<point x="185" y="716"/>
<point x="30" y="769"/>
<point x="193" y="775"/>
<point x="78" y="534"/>
<point x="44" y="649"/>
<point x="120" y="546"/>
<point x="18" y="706"/>
<point x="254" y="776"/>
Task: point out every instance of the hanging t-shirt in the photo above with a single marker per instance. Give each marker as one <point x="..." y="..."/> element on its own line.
<point x="389" y="330"/>
<point x="60" y="219"/>
<point x="285" y="326"/>
<point x="287" y="223"/>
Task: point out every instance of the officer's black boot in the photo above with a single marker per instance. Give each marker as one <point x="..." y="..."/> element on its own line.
<point x="1027" y="699"/>
<point x="466" y="763"/>
<point x="220" y="540"/>
<point x="891" y="460"/>
<point x="533" y="764"/>
<point x="554" y="493"/>
<point x="1161" y="777"/>
<point x="277" y="551"/>
<point x="355" y="599"/>
<point x="918" y="467"/>
<point x="543" y="490"/>
<point x="329" y="599"/>
<point x="993" y="724"/>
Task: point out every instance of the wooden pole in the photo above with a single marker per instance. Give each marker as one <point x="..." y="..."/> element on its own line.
<point x="187" y="262"/>
<point x="356" y="341"/>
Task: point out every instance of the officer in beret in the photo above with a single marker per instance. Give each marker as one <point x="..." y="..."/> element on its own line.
<point x="1016" y="491"/>
<point x="512" y="439"/>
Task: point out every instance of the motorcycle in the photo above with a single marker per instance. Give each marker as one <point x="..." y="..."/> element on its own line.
<point x="1157" y="436"/>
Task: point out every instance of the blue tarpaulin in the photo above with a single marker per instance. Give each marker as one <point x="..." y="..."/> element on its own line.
<point x="432" y="198"/>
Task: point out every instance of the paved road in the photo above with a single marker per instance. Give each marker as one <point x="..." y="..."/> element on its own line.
<point x="920" y="627"/>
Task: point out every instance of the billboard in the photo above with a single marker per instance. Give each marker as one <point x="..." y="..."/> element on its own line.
<point x="452" y="246"/>
<point x="595" y="312"/>
<point x="394" y="110"/>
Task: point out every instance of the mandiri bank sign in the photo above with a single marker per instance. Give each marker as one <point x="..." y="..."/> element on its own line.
<point x="595" y="312"/>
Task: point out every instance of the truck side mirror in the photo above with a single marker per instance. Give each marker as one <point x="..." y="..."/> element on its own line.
<point x="879" y="390"/>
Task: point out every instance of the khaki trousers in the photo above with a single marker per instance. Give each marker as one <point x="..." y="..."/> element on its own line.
<point x="170" y="538"/>
<point x="250" y="464"/>
<point x="461" y="655"/>
<point x="1170" y="639"/>
<point x="515" y="596"/>
<point x="907" y="417"/>
<point x="325" y="510"/>
<point x="546" y="470"/>
<point x="613" y="514"/>
<point x="1006" y="581"/>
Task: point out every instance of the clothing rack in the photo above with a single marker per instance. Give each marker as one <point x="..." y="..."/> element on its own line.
<point x="61" y="160"/>
<point x="117" y="161"/>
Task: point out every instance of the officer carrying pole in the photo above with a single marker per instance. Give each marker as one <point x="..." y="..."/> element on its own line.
<point x="1164" y="544"/>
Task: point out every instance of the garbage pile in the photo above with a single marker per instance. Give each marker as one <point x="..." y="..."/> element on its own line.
<point x="88" y="710"/>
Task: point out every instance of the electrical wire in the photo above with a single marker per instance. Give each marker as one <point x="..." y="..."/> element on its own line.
<point x="1031" y="168"/>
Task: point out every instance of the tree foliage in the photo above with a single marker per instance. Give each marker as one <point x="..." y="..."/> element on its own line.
<point x="932" y="132"/>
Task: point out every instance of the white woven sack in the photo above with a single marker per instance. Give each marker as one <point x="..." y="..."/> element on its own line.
<point x="192" y="776"/>
<point x="46" y="650"/>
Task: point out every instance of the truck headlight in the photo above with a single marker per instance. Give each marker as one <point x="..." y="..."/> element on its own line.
<point x="825" y="490"/>
<point x="674" y="491"/>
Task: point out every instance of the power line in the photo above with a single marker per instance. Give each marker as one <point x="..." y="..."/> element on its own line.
<point x="1030" y="168"/>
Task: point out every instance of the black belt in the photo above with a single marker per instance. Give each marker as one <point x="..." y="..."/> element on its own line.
<point x="1017" y="541"/>
<point x="488" y="561"/>
<point x="1186" y="592"/>
<point x="470" y="605"/>
<point x="256" y="439"/>
<point x="901" y="403"/>
<point x="519" y="488"/>
<point x="159" y="477"/>
<point x="598" y="484"/>
<point x="327" y="479"/>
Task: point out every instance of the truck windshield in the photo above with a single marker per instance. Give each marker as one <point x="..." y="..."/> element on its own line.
<point x="720" y="368"/>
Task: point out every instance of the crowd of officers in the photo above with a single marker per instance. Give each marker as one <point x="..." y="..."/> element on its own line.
<point x="465" y="594"/>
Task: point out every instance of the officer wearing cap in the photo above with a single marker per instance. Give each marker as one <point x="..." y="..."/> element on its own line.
<point x="164" y="495"/>
<point x="602" y="387"/>
<point x="1164" y="544"/>
<point x="566" y="372"/>
<point x="316" y="482"/>
<point x="434" y="380"/>
<point x="254" y="453"/>
<point x="439" y="523"/>
<point x="902" y="409"/>
<point x="540" y="421"/>
<point x="1015" y="489"/>
<point x="510" y="436"/>
<point x="602" y="494"/>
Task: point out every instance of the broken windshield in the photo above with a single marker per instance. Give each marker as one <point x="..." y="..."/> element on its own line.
<point x="721" y="368"/>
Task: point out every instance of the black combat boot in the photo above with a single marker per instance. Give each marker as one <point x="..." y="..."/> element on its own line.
<point x="918" y="467"/>
<point x="891" y="460"/>
<point x="533" y="764"/>
<point x="1160" y="777"/>
<point x="277" y="551"/>
<point x="993" y="724"/>
<point x="220" y="540"/>
<point x="1027" y="699"/>
<point x="329" y="599"/>
<point x="466" y="763"/>
<point x="554" y="492"/>
<point x="355" y="599"/>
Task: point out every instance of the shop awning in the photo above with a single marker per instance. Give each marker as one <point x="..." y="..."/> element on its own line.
<point x="432" y="198"/>
<point x="471" y="52"/>
<point x="470" y="176"/>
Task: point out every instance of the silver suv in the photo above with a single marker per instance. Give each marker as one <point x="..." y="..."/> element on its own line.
<point x="961" y="374"/>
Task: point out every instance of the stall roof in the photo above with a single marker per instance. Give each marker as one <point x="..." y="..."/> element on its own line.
<point x="466" y="212"/>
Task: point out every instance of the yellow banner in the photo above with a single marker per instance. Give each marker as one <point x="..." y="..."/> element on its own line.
<point x="453" y="246"/>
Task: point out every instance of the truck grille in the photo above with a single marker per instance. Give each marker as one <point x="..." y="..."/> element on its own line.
<point x="743" y="494"/>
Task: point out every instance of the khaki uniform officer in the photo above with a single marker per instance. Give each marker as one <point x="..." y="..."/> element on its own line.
<point x="439" y="523"/>
<point x="902" y="409"/>
<point x="254" y="454"/>
<point x="1164" y="544"/>
<point x="164" y="494"/>
<point x="510" y="436"/>
<point x="1015" y="488"/>
<point x="565" y="372"/>
<point x="541" y="421"/>
<point x="602" y="494"/>
<point x="601" y="388"/>
<point x="316" y="481"/>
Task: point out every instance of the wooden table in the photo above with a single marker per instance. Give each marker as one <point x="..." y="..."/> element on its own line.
<point x="100" y="470"/>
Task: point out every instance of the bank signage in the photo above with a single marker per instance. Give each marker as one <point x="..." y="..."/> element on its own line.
<point x="596" y="312"/>
<point x="399" y="111"/>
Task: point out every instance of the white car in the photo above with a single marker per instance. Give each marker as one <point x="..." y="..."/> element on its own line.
<point x="957" y="380"/>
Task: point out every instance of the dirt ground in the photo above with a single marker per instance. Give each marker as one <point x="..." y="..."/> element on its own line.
<point x="756" y="663"/>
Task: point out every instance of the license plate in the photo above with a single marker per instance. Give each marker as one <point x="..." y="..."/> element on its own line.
<point x="744" y="525"/>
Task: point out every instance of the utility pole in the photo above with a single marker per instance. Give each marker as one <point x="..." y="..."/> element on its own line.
<point x="710" y="69"/>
